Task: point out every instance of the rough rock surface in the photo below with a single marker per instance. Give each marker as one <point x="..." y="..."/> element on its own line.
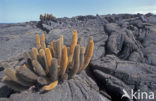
<point x="124" y="56"/>
<point x="81" y="88"/>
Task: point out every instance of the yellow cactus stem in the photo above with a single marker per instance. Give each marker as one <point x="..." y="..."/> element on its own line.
<point x="48" y="56"/>
<point x="24" y="66"/>
<point x="64" y="61"/>
<point x="79" y="40"/>
<point x="11" y="73"/>
<point x="61" y="47"/>
<point x="90" y="39"/>
<point x="76" y="62"/>
<point x="42" y="52"/>
<point x="61" y="41"/>
<point x="55" y="48"/>
<point x="42" y="38"/>
<point x="34" y="53"/>
<point x="53" y="70"/>
<point x="38" y="45"/>
<point x="89" y="53"/>
<point x="50" y="86"/>
<point x="59" y="50"/>
<point x="52" y="49"/>
<point x="43" y="60"/>
<point x="38" y="68"/>
<point x="12" y="84"/>
<point x="82" y="52"/>
<point x="5" y="65"/>
<point x="68" y="49"/>
<point x="43" y="46"/>
<point x="72" y="46"/>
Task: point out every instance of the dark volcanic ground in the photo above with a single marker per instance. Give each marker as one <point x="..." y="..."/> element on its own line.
<point x="124" y="56"/>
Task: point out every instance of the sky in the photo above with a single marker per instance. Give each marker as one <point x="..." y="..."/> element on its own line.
<point x="13" y="11"/>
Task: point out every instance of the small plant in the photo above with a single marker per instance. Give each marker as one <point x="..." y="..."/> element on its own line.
<point x="46" y="65"/>
<point x="47" y="17"/>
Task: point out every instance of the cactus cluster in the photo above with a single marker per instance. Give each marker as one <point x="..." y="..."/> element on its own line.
<point x="46" y="65"/>
<point x="46" y="17"/>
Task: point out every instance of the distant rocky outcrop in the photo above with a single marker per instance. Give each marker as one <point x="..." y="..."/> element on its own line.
<point x="124" y="56"/>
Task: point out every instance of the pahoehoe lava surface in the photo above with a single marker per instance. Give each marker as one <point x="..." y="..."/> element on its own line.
<point x="124" y="56"/>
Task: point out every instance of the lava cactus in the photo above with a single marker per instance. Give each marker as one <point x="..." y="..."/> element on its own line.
<point x="46" y="65"/>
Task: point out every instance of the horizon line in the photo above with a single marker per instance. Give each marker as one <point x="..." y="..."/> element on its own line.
<point x="5" y="22"/>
